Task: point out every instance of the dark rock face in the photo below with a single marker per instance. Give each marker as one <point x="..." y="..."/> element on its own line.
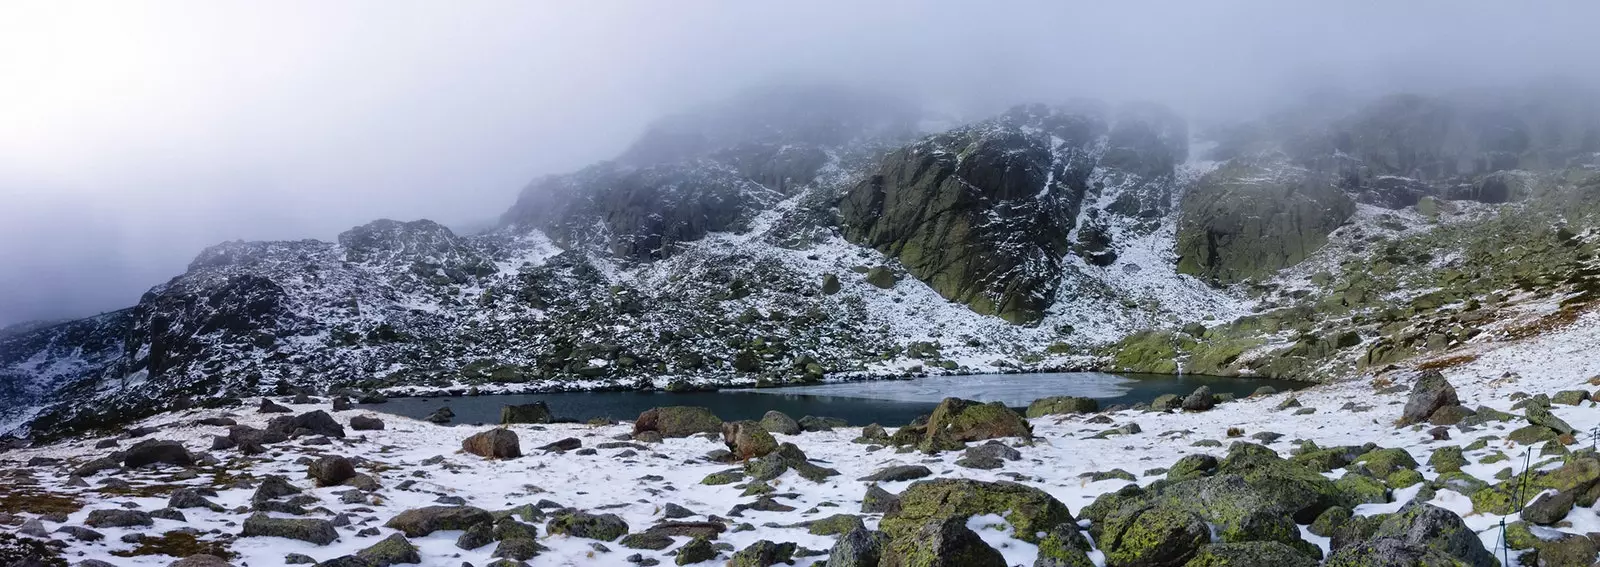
<point x="1251" y="218"/>
<point x="981" y="214"/>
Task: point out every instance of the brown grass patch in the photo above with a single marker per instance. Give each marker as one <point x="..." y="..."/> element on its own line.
<point x="14" y="500"/>
<point x="176" y="544"/>
<point x="1561" y="319"/>
<point x="1447" y="362"/>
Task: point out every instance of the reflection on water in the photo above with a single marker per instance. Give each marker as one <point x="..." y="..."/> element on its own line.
<point x="888" y="402"/>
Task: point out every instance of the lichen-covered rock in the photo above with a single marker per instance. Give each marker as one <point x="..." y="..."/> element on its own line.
<point x="1419" y="534"/>
<point x="747" y="439"/>
<point x="1056" y="405"/>
<point x="1155" y="537"/>
<point x="1549" y="508"/>
<point x="1244" y="554"/>
<point x="316" y="422"/>
<point x="1192" y="466"/>
<point x="1447" y="459"/>
<point x="697" y="550"/>
<point x="879" y="501"/>
<point x="763" y="553"/>
<point x="898" y="473"/>
<point x="603" y="527"/>
<point x="1540" y="415"/>
<point x="859" y="547"/>
<point x="778" y="422"/>
<point x="1361" y="489"/>
<point x="956" y="421"/>
<point x="320" y="532"/>
<point x="1030" y="511"/>
<point x="419" y="522"/>
<point x="1383" y="462"/>
<point x="1253" y="217"/>
<point x="117" y="519"/>
<point x="393" y="550"/>
<point x="942" y="542"/>
<point x="677" y="421"/>
<point x="366" y="423"/>
<point x="498" y="443"/>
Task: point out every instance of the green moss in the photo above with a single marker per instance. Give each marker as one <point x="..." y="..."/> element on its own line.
<point x="723" y="477"/>
<point x="1158" y="536"/>
<point x="1403" y="478"/>
<point x="1361" y="489"/>
<point x="1384" y="462"/>
<point x="1447" y="459"/>
<point x="1148" y="351"/>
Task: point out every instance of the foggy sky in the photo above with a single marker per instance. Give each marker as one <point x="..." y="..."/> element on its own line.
<point x="133" y="134"/>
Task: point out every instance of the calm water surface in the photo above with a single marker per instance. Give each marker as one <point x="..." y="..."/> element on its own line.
<point x="888" y="402"/>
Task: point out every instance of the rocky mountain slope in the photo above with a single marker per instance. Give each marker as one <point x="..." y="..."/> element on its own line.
<point x="790" y="235"/>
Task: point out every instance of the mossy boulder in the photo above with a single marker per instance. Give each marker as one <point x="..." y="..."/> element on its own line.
<point x="1447" y="459"/>
<point x="1057" y="405"/>
<point x="1156" y="536"/>
<point x="1361" y="489"/>
<point x="1253" y="217"/>
<point x="1248" y="554"/>
<point x="941" y="542"/>
<point x="678" y="421"/>
<point x="1383" y="462"/>
<point x="603" y="527"/>
<point x="956" y="421"/>
<point x="420" y="522"/>
<point x="1030" y="511"/>
<point x="393" y="550"/>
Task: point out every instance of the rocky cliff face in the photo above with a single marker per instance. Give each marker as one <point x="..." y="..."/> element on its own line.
<point x="791" y="235"/>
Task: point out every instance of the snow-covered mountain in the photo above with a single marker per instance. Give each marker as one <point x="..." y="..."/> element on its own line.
<point x="789" y="235"/>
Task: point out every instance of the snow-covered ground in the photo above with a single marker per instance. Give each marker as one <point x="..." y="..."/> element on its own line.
<point x="637" y="487"/>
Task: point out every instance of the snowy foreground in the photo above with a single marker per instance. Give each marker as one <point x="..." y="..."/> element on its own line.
<point x="638" y="487"/>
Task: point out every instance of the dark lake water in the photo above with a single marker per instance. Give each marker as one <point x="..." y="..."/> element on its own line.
<point x="888" y="402"/>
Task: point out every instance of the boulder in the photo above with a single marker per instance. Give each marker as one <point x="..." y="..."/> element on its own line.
<point x="117" y="519"/>
<point x="898" y="473"/>
<point x="393" y="550"/>
<point x="150" y="451"/>
<point x="1030" y="511"/>
<point x="1540" y="415"/>
<point x="567" y="444"/>
<point x="320" y="532"/>
<point x="747" y="439"/>
<point x="330" y="470"/>
<point x="1058" y="405"/>
<point x="942" y="542"/>
<point x="603" y="527"/>
<point x="1428" y="395"/>
<point x="184" y="498"/>
<point x="1419" y="534"/>
<point x="201" y="560"/>
<point x="778" y="422"/>
<point x="763" y="553"/>
<point x="364" y="423"/>
<point x="1157" y="536"/>
<point x="814" y="423"/>
<point x="879" y="501"/>
<point x="677" y="421"/>
<point x="700" y="550"/>
<point x="341" y="403"/>
<point x="496" y="443"/>
<point x="268" y="406"/>
<point x="419" y="522"/>
<point x="316" y="422"/>
<point x="1201" y="400"/>
<point x="956" y="421"/>
<point x="1549" y="508"/>
<point x="536" y="412"/>
<point x="1263" y="553"/>
<point x="440" y="416"/>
